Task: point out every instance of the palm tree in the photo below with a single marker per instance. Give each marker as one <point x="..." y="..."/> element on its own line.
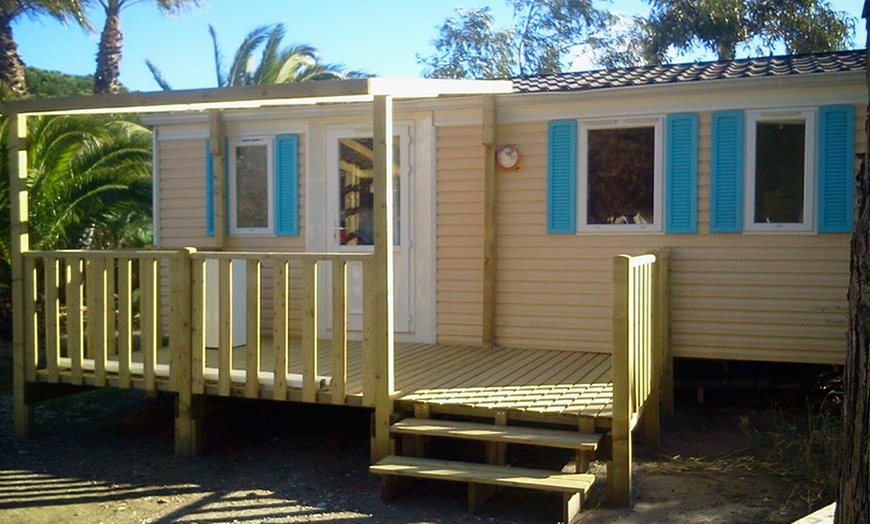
<point x="88" y="176"/>
<point x="89" y="181"/>
<point x="296" y="63"/>
<point x="111" y="40"/>
<point x="11" y="67"/>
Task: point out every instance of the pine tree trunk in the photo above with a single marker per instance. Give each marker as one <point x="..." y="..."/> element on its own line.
<point x="109" y="53"/>
<point x="11" y="66"/>
<point x="853" y="498"/>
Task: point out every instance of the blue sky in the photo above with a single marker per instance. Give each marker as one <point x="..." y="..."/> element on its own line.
<point x="378" y="36"/>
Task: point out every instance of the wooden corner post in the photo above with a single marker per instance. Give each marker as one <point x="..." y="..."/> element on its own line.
<point x="619" y="467"/>
<point x="382" y="277"/>
<point x="187" y="412"/>
<point x="23" y="358"/>
<point x="217" y="138"/>
<point x="489" y="233"/>
<point x="664" y="318"/>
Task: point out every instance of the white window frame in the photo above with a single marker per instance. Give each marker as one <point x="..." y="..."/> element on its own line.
<point x="808" y="117"/>
<point x="234" y="144"/>
<point x="657" y="123"/>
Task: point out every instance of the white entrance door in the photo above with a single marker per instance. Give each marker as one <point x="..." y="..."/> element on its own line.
<point x="349" y="208"/>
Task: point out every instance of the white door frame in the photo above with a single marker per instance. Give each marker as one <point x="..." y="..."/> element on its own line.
<point x="421" y="217"/>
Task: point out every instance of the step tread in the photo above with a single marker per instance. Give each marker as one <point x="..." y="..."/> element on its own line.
<point x="483" y="474"/>
<point x="552" y="438"/>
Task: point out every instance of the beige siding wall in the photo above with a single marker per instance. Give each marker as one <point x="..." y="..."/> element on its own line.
<point x="459" y="235"/>
<point x="777" y="297"/>
<point x="181" y="212"/>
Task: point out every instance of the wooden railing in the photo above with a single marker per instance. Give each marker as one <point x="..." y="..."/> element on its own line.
<point x="97" y="318"/>
<point x="219" y="269"/>
<point x="93" y="317"/>
<point x="640" y="340"/>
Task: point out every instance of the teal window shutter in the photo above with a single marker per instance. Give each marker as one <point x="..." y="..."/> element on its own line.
<point x="209" y="190"/>
<point x="836" y="152"/>
<point x="726" y="172"/>
<point x="287" y="185"/>
<point x="562" y="177"/>
<point x="681" y="207"/>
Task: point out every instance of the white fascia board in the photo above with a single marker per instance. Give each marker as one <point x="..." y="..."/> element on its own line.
<point x="715" y="95"/>
<point x="428" y="87"/>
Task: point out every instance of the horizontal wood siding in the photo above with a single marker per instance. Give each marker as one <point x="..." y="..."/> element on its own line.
<point x="775" y="297"/>
<point x="181" y="215"/>
<point x="459" y="244"/>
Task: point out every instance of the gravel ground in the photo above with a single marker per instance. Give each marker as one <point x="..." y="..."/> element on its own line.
<point x="106" y="456"/>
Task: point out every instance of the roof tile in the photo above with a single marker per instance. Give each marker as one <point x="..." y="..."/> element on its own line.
<point x="832" y="62"/>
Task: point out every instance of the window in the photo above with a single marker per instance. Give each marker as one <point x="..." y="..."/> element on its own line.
<point x="250" y="188"/>
<point x="779" y="166"/>
<point x="356" y="196"/>
<point x="620" y="169"/>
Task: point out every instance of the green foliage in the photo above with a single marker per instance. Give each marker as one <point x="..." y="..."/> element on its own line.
<point x="89" y="181"/>
<point x="722" y="26"/>
<point x="50" y="84"/>
<point x="538" y="41"/>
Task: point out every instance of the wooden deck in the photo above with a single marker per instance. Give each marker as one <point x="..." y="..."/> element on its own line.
<point x="559" y="387"/>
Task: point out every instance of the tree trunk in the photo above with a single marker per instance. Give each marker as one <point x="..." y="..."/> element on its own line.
<point x="853" y="498"/>
<point x="11" y="66"/>
<point x="109" y="53"/>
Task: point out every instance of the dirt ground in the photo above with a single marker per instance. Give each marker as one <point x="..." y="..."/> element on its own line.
<point x="106" y="456"/>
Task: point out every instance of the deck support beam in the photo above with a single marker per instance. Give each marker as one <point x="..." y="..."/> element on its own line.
<point x="188" y="408"/>
<point x="23" y="358"/>
<point x="489" y="236"/>
<point x="619" y="466"/>
<point x="382" y="277"/>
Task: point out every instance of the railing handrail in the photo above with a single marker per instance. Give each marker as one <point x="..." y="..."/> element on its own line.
<point x="98" y="254"/>
<point x="279" y="255"/>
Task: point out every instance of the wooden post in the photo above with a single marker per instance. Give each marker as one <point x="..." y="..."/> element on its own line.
<point x="619" y="467"/>
<point x="217" y="138"/>
<point x="309" y="330"/>
<point x="667" y="356"/>
<point x="339" y="331"/>
<point x="187" y="415"/>
<point x="252" y="330"/>
<point x="52" y="318"/>
<point x="225" y="326"/>
<point x="22" y="403"/>
<point x="651" y="427"/>
<point x="149" y="319"/>
<point x="489" y="236"/>
<point x="125" y="321"/>
<point x="382" y="276"/>
<point x="280" y="313"/>
<point x="75" y="335"/>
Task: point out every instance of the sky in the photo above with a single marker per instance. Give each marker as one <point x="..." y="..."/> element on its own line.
<point x="382" y="37"/>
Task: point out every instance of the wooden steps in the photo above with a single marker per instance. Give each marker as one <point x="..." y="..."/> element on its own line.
<point x="411" y="435"/>
<point x="550" y="438"/>
<point x="484" y="474"/>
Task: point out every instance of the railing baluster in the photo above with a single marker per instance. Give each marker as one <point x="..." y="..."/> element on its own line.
<point x="96" y="317"/>
<point x="111" y="311"/>
<point x="52" y="318"/>
<point x="225" y="333"/>
<point x="252" y="333"/>
<point x="125" y="321"/>
<point x="309" y="331"/>
<point x="197" y="336"/>
<point x="280" y="314"/>
<point x="339" y="331"/>
<point x="148" y="319"/>
<point x="31" y="323"/>
<point x="75" y="319"/>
